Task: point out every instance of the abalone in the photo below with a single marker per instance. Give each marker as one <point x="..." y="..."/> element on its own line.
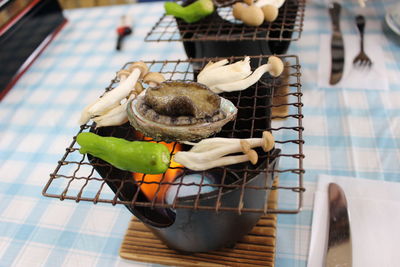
<point x="182" y="99"/>
<point x="179" y="111"/>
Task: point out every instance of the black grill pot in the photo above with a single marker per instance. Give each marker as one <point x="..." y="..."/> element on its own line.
<point x="191" y="230"/>
<point x="205" y="230"/>
<point x="200" y="230"/>
<point x="235" y="46"/>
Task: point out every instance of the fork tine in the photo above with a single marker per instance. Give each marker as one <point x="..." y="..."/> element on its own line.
<point x="364" y="63"/>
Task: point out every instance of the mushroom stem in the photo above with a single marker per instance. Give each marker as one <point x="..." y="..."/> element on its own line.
<point x="212" y="152"/>
<point x="197" y="166"/>
<point x="251" y="154"/>
<point x="115" y="95"/>
<point x="86" y="116"/>
<point x="237" y="76"/>
<point x="225" y="73"/>
<point x="113" y="98"/>
<point x="242" y="84"/>
<point x="115" y="116"/>
<point x="211" y="65"/>
<point x="232" y="145"/>
<point x="274" y="67"/>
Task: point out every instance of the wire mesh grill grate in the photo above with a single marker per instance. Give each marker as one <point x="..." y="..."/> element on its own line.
<point x="221" y="26"/>
<point x="84" y="178"/>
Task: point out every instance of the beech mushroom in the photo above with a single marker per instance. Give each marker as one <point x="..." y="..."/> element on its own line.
<point x="141" y="66"/>
<point x="211" y="152"/>
<point x="138" y="88"/>
<point x="123" y="74"/>
<point x="252" y="16"/>
<point x="274" y="67"/>
<point x="276" y="3"/>
<point x="224" y="79"/>
<point x="270" y="8"/>
<point x="112" y="98"/>
<point x="270" y="12"/>
<point x="237" y="10"/>
<point x="115" y="116"/>
<point x="217" y="73"/>
<point x="153" y="78"/>
<point x="250" y="153"/>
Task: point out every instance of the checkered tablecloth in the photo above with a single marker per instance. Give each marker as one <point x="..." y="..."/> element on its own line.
<point x="347" y="133"/>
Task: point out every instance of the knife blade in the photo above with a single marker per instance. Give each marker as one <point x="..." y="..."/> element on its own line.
<point x="337" y="46"/>
<point x="339" y="250"/>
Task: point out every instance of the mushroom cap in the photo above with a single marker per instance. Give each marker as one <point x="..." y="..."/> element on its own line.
<point x="153" y="77"/>
<point x="252" y="16"/>
<point x="141" y="66"/>
<point x="245" y="146"/>
<point x="268" y="141"/>
<point x="276" y="66"/>
<point x="270" y="12"/>
<point x="238" y="9"/>
<point x="253" y="156"/>
<point x="123" y="73"/>
<point x="138" y="88"/>
<point x="249" y="2"/>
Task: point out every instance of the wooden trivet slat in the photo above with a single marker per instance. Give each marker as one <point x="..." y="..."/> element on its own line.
<point x="280" y="99"/>
<point x="256" y="249"/>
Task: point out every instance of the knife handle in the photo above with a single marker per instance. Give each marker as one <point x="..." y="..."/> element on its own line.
<point x="334" y="11"/>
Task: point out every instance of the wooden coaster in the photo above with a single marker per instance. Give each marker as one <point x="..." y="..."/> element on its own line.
<point x="256" y="249"/>
<point x="280" y="98"/>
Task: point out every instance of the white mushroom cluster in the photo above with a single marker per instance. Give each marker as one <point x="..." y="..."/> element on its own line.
<point x="254" y="14"/>
<point x="214" y="152"/>
<point x="110" y="109"/>
<point x="220" y="77"/>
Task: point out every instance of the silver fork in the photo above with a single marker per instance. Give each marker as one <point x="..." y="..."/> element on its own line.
<point x="361" y="60"/>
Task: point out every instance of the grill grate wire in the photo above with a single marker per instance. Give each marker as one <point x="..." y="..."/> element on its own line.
<point x="76" y="178"/>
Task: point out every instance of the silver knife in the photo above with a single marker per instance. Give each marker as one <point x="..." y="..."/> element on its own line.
<point x="337" y="47"/>
<point x="339" y="250"/>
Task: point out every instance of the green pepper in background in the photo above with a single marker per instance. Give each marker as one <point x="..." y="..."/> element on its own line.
<point x="191" y="13"/>
<point x="134" y="156"/>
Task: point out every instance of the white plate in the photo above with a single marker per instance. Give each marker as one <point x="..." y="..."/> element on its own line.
<point x="392" y="24"/>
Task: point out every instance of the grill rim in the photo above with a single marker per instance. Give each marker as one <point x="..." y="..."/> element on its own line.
<point x="168" y="26"/>
<point x="299" y="171"/>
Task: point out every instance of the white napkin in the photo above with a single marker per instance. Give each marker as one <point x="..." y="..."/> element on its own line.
<point x="374" y="210"/>
<point x="374" y="78"/>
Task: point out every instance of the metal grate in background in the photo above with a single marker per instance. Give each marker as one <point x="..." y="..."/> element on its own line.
<point x="221" y="26"/>
<point x="76" y="176"/>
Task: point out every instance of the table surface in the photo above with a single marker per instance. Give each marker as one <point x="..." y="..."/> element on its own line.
<point x="347" y="132"/>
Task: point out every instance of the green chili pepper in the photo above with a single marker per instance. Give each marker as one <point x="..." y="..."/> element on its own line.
<point x="191" y="13"/>
<point x="134" y="156"/>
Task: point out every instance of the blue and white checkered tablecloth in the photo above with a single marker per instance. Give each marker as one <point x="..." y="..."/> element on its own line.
<point x="347" y="132"/>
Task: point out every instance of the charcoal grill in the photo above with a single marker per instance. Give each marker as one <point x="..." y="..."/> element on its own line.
<point x="240" y="191"/>
<point x="220" y="35"/>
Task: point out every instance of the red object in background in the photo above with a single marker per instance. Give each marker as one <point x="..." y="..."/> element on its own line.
<point x="123" y="31"/>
